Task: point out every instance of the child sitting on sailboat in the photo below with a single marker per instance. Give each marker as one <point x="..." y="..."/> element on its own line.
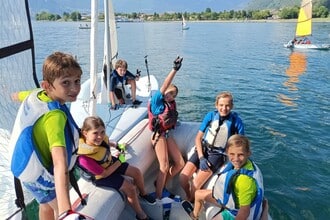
<point x="109" y="171"/>
<point x="118" y="79"/>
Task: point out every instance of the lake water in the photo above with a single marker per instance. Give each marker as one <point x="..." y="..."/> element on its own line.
<point x="282" y="97"/>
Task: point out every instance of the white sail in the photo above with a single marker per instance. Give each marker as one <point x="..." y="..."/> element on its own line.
<point x="94" y="95"/>
<point x="110" y="46"/>
<point x="113" y="34"/>
<point x="183" y="21"/>
<point x="184" y="24"/>
<point x="110" y="34"/>
<point x="17" y="68"/>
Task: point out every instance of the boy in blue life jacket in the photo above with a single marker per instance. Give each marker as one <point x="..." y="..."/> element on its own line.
<point x="118" y="79"/>
<point x="210" y="142"/>
<point x="239" y="190"/>
<point x="45" y="136"/>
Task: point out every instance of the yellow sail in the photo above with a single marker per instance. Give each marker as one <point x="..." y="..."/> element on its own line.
<point x="304" y="25"/>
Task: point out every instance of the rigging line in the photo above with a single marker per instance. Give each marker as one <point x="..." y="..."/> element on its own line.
<point x="146" y="63"/>
<point x="76" y="44"/>
<point x="145" y="46"/>
<point x="15" y="213"/>
<point x="118" y="116"/>
<point x="34" y="72"/>
<point x="136" y="135"/>
<point x="307" y="3"/>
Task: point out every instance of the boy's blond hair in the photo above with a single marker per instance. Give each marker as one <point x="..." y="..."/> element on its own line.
<point x="121" y="64"/>
<point x="224" y="94"/>
<point x="238" y="140"/>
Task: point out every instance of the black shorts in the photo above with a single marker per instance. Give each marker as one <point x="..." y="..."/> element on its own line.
<point x="215" y="158"/>
<point x="119" y="93"/>
<point x="116" y="179"/>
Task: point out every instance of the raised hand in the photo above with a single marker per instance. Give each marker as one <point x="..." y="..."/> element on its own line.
<point x="177" y="63"/>
<point x="138" y="73"/>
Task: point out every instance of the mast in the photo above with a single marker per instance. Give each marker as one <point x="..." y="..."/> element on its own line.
<point x="110" y="47"/>
<point x="107" y="54"/>
<point x="93" y="57"/>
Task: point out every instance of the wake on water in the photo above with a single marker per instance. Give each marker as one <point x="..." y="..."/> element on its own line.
<point x="7" y="192"/>
<point x="7" y="195"/>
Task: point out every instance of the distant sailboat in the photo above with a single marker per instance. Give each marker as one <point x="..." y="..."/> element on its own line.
<point x="184" y="24"/>
<point x="86" y="26"/>
<point x="304" y="29"/>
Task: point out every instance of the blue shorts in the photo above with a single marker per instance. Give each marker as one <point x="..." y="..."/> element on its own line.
<point x="43" y="190"/>
<point x="215" y="159"/>
<point x="116" y="179"/>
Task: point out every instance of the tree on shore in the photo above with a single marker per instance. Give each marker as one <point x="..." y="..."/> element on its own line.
<point x="74" y="16"/>
<point x="319" y="11"/>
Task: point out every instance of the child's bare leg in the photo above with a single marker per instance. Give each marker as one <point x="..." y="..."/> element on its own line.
<point x="46" y="212"/>
<point x="130" y="191"/>
<point x="136" y="174"/>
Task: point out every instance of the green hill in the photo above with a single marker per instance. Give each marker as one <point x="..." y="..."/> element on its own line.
<point x="278" y="4"/>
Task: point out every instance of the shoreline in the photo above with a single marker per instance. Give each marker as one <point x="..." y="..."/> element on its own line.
<point x="316" y="20"/>
<point x="321" y="20"/>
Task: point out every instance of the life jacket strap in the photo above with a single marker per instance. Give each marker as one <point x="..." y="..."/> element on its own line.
<point x="19" y="201"/>
<point x="74" y="184"/>
<point x="210" y="147"/>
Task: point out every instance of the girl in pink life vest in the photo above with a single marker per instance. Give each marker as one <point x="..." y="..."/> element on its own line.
<point x="162" y="118"/>
<point x="109" y="171"/>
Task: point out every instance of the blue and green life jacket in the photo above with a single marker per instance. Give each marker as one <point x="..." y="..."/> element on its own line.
<point x="224" y="194"/>
<point x="26" y="163"/>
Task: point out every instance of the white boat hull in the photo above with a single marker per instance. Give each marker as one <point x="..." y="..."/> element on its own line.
<point x="109" y="204"/>
<point x="308" y="46"/>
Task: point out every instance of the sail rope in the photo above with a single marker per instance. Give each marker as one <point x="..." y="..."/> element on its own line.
<point x="148" y="74"/>
<point x="136" y="135"/>
<point x="146" y="54"/>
